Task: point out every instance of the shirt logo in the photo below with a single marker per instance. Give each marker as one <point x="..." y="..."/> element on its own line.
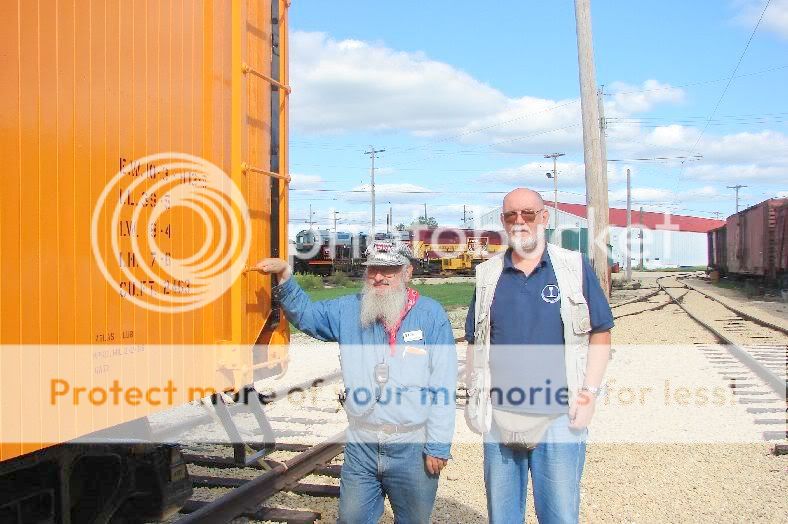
<point x="551" y="294"/>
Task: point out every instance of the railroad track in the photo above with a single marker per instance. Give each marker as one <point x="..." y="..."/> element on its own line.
<point x="752" y="358"/>
<point x="248" y="495"/>
<point x="759" y="345"/>
<point x="253" y="480"/>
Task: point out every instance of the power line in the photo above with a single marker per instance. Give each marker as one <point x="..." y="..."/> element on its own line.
<point x="702" y="82"/>
<point x="730" y="80"/>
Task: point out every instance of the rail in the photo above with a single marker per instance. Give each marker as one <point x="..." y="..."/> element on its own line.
<point x="778" y="384"/>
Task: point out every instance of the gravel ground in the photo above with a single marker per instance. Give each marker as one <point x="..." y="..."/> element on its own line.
<point x="627" y="477"/>
<point x="770" y="310"/>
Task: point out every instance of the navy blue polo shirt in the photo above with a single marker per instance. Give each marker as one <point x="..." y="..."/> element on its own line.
<point x="528" y="370"/>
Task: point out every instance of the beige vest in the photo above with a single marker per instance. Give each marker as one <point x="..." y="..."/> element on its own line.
<point x="568" y="266"/>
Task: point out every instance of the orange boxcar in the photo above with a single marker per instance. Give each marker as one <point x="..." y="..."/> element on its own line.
<point x="89" y="91"/>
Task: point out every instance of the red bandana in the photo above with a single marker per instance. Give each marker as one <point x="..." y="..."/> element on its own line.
<point x="413" y="295"/>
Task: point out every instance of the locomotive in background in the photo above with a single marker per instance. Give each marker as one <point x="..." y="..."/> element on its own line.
<point x="753" y="244"/>
<point x="435" y="251"/>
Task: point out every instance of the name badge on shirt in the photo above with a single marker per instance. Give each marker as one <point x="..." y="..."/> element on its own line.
<point x="412" y="336"/>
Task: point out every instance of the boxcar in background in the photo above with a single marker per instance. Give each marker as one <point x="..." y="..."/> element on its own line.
<point x="716" y="247"/>
<point x="753" y="242"/>
<point x="781" y="244"/>
<point x="87" y="89"/>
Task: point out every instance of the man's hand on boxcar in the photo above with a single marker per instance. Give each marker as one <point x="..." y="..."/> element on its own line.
<point x="276" y="266"/>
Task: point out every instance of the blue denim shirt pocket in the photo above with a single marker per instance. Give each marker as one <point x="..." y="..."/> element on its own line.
<point x="411" y="366"/>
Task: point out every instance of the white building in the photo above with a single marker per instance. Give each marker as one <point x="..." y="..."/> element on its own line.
<point x="667" y="241"/>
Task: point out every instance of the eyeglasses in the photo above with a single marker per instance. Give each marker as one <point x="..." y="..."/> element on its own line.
<point x="529" y="215"/>
<point x="384" y="271"/>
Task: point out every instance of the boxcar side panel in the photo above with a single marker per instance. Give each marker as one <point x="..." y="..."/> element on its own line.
<point x="88" y="89"/>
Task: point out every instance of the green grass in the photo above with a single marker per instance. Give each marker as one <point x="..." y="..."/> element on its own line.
<point x="333" y="292"/>
<point x="457" y="294"/>
<point x="448" y="295"/>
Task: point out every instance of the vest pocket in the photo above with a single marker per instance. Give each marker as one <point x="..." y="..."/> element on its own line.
<point x="581" y="320"/>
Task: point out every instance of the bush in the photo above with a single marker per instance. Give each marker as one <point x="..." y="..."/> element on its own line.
<point x="309" y="282"/>
<point x="339" y="279"/>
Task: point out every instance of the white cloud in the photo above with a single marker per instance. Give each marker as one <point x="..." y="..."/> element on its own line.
<point x="353" y="85"/>
<point x="766" y="146"/>
<point x="571" y="175"/>
<point x="385" y="193"/>
<point x="738" y="172"/>
<point x="629" y="99"/>
<point x="656" y="195"/>
<point x="532" y="174"/>
<point x="775" y="19"/>
<point x="350" y="85"/>
<point x="761" y="156"/>
<point x="300" y="181"/>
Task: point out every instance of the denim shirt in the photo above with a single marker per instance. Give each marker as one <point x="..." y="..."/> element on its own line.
<point x="422" y="370"/>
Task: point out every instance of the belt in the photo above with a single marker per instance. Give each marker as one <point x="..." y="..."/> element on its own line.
<point x="385" y="428"/>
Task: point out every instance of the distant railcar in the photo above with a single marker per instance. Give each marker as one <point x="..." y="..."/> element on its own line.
<point x="323" y="252"/>
<point x="781" y="244"/>
<point x="454" y="249"/>
<point x="753" y="242"/>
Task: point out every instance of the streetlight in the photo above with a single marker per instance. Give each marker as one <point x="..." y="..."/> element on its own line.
<point x="554" y="176"/>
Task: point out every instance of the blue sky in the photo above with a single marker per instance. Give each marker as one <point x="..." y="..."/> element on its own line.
<point x="467" y="97"/>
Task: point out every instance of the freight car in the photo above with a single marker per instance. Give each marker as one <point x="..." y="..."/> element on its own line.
<point x="717" y="239"/>
<point x="322" y="252"/>
<point x="753" y="243"/>
<point x="119" y="118"/>
<point x="454" y="249"/>
<point x="435" y="250"/>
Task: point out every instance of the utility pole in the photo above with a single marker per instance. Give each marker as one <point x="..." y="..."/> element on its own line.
<point x="465" y="217"/>
<point x="602" y="128"/>
<point x="372" y="154"/>
<point x="642" y="265"/>
<point x="425" y="213"/>
<point x="335" y="213"/>
<point x="309" y="219"/>
<point x="736" y="188"/>
<point x="629" y="228"/>
<point x="554" y="176"/>
<point x="595" y="172"/>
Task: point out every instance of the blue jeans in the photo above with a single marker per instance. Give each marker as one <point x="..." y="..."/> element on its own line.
<point x="556" y="465"/>
<point x="379" y="465"/>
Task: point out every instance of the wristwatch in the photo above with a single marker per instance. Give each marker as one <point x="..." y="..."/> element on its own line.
<point x="596" y="392"/>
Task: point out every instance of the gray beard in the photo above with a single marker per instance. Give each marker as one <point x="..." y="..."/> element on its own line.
<point x="385" y="307"/>
<point x="523" y="244"/>
<point x="528" y="246"/>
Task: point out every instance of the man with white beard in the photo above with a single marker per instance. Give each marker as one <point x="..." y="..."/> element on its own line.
<point x="399" y="367"/>
<point x="538" y="330"/>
